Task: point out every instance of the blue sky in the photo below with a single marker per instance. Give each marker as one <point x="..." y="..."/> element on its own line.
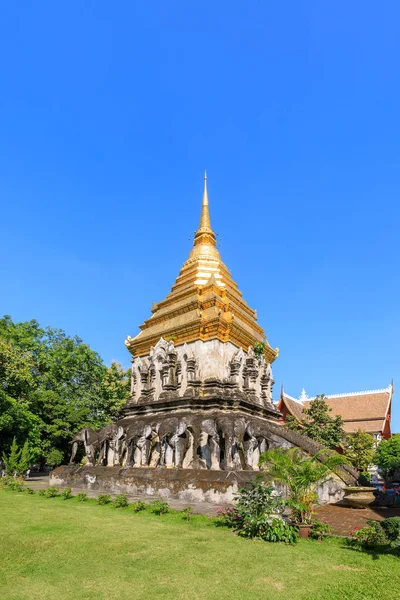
<point x="110" y="112"/>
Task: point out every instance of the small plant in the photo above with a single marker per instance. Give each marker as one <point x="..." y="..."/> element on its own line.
<point x="30" y="490"/>
<point x="158" y="507"/>
<point x="319" y="530"/>
<point x="121" y="501"/>
<point x="66" y="494"/>
<point x="259" y="348"/>
<point x="42" y="492"/>
<point x="301" y="475"/>
<point x="51" y="492"/>
<point x="187" y="513"/>
<point x="103" y="499"/>
<point x="81" y="497"/>
<point x="138" y="506"/>
<point x="228" y="517"/>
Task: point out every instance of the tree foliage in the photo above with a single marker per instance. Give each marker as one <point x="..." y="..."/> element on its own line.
<point x="19" y="459"/>
<point x="387" y="455"/>
<point x="318" y="424"/>
<point x="52" y="385"/>
<point x="359" y="449"/>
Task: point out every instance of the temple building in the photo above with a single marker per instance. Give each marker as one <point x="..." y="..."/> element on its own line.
<point x="200" y="410"/>
<point x="370" y="410"/>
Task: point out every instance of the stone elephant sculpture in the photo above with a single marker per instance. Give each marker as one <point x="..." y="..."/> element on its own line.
<point x="210" y="451"/>
<point x="254" y="444"/>
<point x="90" y="441"/>
<point x="176" y="440"/>
<point x="143" y="445"/>
<point x="109" y="440"/>
<point x="232" y="433"/>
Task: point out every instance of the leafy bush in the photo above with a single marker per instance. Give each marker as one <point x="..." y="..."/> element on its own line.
<point x="378" y="533"/>
<point x="187" y="513"/>
<point x="138" y="506"/>
<point x="81" y="497"/>
<point x="51" y="492"/>
<point x="391" y="527"/>
<point x="30" y="490"/>
<point x="371" y="536"/>
<point x="14" y="485"/>
<point x="121" y="501"/>
<point x="256" y="515"/>
<point x="42" y="492"/>
<point x="319" y="530"/>
<point x="66" y="494"/>
<point x="158" y="507"/>
<point x="103" y="499"/>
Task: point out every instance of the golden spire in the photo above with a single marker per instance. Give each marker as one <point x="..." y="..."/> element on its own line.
<point x="205" y="234"/>
<point x="204" y="303"/>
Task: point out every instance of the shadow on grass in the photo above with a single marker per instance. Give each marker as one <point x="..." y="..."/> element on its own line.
<point x="375" y="553"/>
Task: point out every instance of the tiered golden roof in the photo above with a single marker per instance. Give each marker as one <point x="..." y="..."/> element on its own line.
<point x="204" y="304"/>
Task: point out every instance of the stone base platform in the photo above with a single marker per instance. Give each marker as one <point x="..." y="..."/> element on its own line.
<point x="190" y="485"/>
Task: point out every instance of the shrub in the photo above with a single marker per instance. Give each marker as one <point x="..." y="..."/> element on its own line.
<point x="121" y="501"/>
<point x="14" y="485"/>
<point x="103" y="499"/>
<point x="66" y="494"/>
<point x="256" y="515"/>
<point x="138" y="506"/>
<point x="158" y="507"/>
<point x="391" y="527"/>
<point x="42" y="492"/>
<point x="370" y="536"/>
<point x="30" y="490"/>
<point x="187" y="513"/>
<point x="319" y="530"/>
<point x="51" y="492"/>
<point x="378" y="534"/>
<point x="81" y="497"/>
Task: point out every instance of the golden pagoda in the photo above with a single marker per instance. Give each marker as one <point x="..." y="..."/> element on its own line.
<point x="204" y="303"/>
<point x="200" y="411"/>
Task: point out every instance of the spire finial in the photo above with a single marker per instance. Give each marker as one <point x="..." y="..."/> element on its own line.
<point x="205" y="234"/>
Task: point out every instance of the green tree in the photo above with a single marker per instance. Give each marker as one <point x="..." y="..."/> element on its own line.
<point x="359" y="449"/>
<point x="387" y="455"/>
<point x="19" y="460"/>
<point x="52" y="385"/>
<point x="318" y="424"/>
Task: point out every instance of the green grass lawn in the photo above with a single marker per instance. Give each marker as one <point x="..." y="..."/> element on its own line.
<point x="61" y="549"/>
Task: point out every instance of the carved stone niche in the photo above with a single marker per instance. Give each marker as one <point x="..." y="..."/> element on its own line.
<point x="236" y="366"/>
<point x="190" y="383"/>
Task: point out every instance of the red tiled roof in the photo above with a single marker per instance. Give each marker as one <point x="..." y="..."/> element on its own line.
<point x="361" y="410"/>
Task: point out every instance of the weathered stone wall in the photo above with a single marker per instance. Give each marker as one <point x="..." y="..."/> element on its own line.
<point x="190" y="485"/>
